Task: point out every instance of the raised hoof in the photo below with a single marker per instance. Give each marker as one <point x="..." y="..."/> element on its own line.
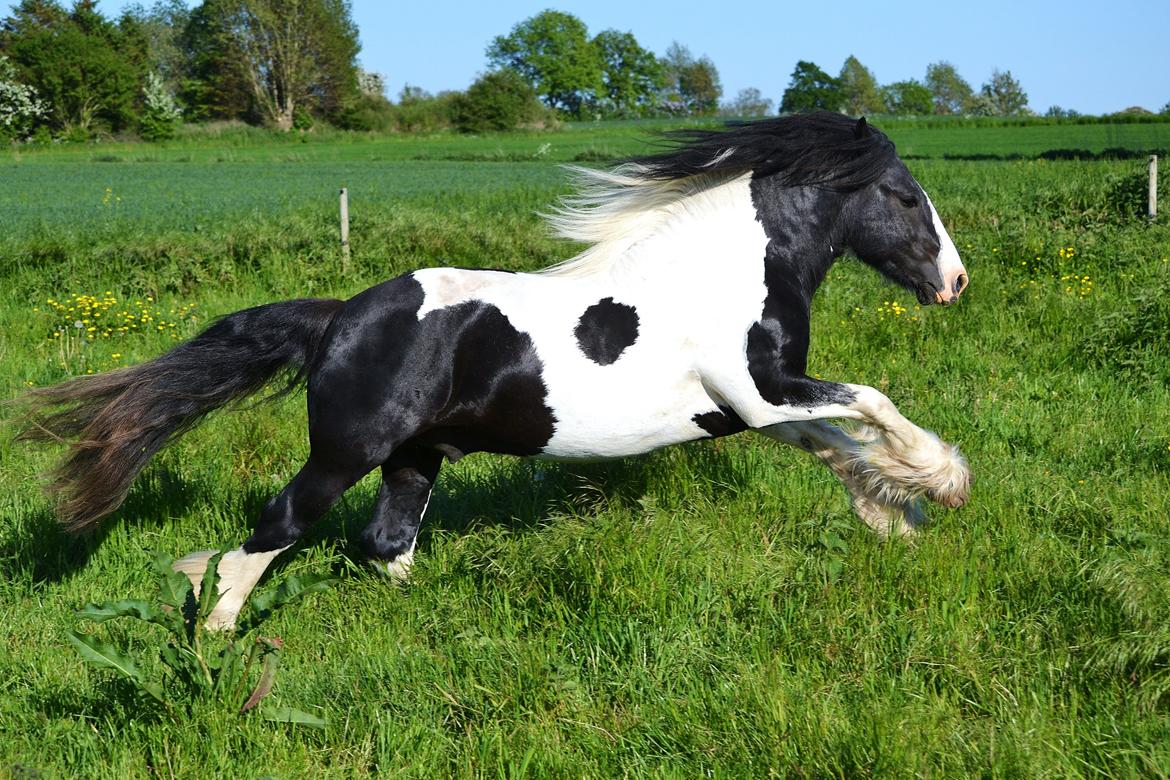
<point x="890" y="521"/>
<point x="936" y="470"/>
<point x="951" y="484"/>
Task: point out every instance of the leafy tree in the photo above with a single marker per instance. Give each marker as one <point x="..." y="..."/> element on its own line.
<point x="700" y="86"/>
<point x="748" y="104"/>
<point x="860" y="89"/>
<point x="632" y="75"/>
<point x="693" y="82"/>
<point x="909" y="97"/>
<point x="1002" y="95"/>
<point x="1056" y="112"/>
<point x="163" y="26"/>
<point x="810" y="89"/>
<point x="500" y="100"/>
<point x="88" y="68"/>
<point x="215" y="86"/>
<point x="951" y="93"/>
<point x="553" y="53"/>
<point x="278" y="57"/>
<point x="31" y="16"/>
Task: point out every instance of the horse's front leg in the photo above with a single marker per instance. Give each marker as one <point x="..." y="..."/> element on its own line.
<point x="897" y="461"/>
<point x="885" y="515"/>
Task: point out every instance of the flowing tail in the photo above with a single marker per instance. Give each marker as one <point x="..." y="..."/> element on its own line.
<point x="118" y="420"/>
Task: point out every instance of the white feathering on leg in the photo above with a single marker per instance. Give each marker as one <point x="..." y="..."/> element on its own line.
<point x="239" y="572"/>
<point x="398" y="570"/>
<point x="881" y="507"/>
<point x="899" y="474"/>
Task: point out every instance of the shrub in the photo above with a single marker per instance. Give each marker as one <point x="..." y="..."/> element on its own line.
<point x="419" y="111"/>
<point x="160" y="115"/>
<point x="19" y="107"/>
<point x="500" y="100"/>
<point x="367" y="113"/>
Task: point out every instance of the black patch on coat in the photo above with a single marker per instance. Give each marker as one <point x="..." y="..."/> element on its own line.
<point x="388" y="389"/>
<point x="798" y="224"/>
<point x="722" y="422"/>
<point x="462" y="379"/>
<point x="605" y="330"/>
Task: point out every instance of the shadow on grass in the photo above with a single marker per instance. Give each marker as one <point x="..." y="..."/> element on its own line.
<point x="40" y="550"/>
<point x="515" y="493"/>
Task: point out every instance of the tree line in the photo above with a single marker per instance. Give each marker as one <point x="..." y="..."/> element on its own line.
<point x="855" y="90"/>
<point x="73" y="73"/>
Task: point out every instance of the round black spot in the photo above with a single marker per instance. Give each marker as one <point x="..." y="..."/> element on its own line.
<point x="605" y="330"/>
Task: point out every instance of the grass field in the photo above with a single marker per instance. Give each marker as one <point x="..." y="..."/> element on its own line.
<point x="711" y="609"/>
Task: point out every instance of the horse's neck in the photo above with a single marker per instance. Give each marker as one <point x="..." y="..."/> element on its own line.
<point x="802" y="225"/>
<point x="697" y="240"/>
<point x="718" y="239"/>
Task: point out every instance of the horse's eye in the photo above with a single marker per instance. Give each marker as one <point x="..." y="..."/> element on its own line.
<point x="909" y="201"/>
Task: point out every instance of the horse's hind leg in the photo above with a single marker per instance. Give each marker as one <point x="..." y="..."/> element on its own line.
<point x="285" y="517"/>
<point x="877" y="504"/>
<point x="407" y="480"/>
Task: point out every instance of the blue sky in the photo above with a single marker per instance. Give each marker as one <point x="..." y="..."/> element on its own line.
<point x="1094" y="57"/>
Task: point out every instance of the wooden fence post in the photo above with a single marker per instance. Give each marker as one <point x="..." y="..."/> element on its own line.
<point x="344" y="230"/>
<point x="1152" y="210"/>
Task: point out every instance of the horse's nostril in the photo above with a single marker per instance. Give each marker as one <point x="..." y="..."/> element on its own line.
<point x="960" y="283"/>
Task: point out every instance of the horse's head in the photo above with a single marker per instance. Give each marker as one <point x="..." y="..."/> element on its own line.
<point x="892" y="225"/>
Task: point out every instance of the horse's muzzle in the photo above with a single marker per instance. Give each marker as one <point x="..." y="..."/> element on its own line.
<point x="954" y="284"/>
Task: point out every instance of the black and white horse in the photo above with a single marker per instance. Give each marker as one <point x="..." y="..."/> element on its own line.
<point x="686" y="317"/>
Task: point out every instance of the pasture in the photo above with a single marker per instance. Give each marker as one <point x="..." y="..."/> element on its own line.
<point x="708" y="609"/>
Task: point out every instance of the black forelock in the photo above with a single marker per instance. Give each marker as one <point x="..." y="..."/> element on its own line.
<point x="819" y="148"/>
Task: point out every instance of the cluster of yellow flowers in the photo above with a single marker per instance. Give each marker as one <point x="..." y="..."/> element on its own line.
<point x="1074" y="283"/>
<point x="90" y="317"/>
<point x="891" y="310"/>
<point x="109" y="197"/>
<point x="1081" y="286"/>
<point x="79" y="321"/>
<point x="95" y="317"/>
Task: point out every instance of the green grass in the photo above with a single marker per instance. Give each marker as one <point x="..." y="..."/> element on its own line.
<point x="712" y="608"/>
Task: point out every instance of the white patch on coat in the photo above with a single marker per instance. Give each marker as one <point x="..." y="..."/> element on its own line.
<point x="949" y="264"/>
<point x="397" y="570"/>
<point x="239" y="572"/>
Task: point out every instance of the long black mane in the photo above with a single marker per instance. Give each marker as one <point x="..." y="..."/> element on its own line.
<point x="818" y="148"/>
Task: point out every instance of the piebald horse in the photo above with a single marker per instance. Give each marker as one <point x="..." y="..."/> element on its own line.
<point x="686" y="317"/>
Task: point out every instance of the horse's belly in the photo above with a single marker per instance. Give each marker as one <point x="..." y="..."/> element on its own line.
<point x="612" y="420"/>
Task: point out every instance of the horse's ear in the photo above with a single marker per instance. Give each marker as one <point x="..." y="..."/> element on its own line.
<point x="861" y="130"/>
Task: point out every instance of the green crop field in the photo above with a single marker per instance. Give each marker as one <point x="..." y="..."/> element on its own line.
<point x="711" y="609"/>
